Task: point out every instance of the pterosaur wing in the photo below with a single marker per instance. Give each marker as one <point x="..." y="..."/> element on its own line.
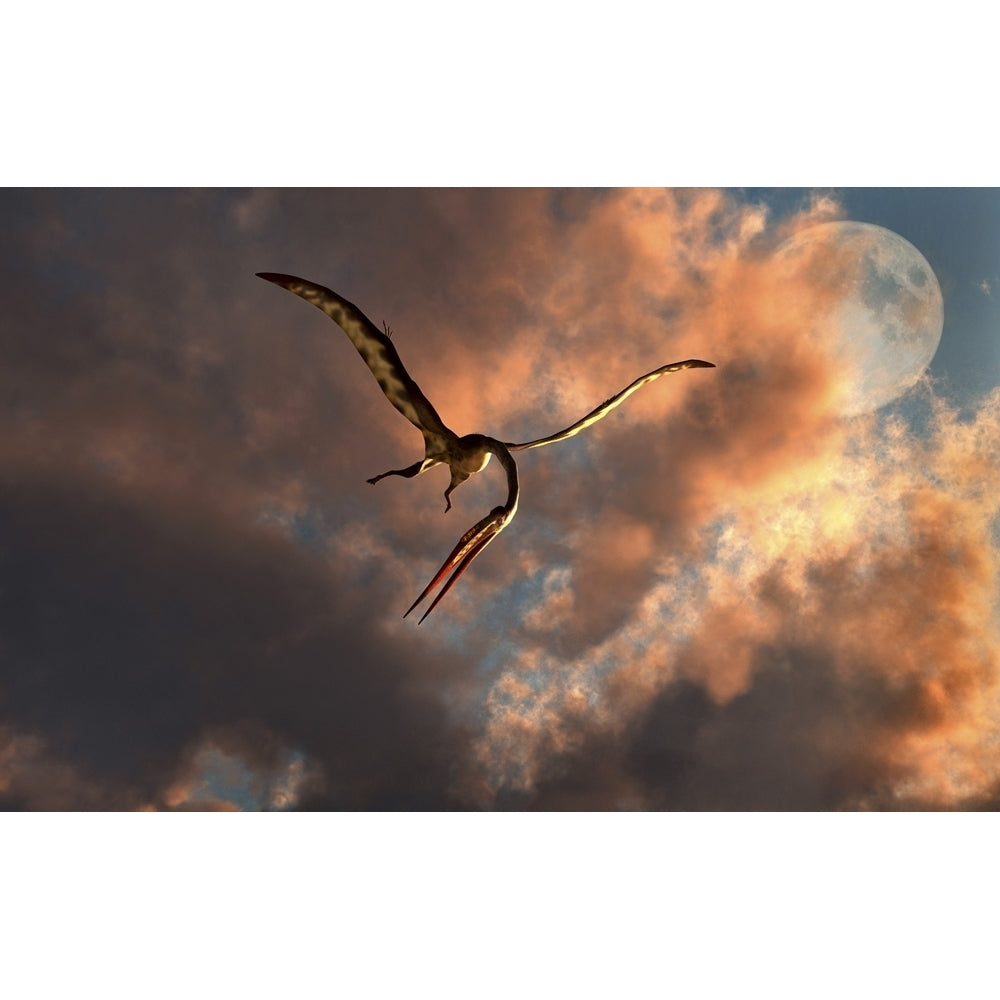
<point x="378" y="352"/>
<point x="609" y="404"/>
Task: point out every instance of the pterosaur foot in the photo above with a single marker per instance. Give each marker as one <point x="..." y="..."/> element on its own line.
<point x="409" y="472"/>
<point x="457" y="478"/>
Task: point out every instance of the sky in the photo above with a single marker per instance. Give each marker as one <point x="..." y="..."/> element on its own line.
<point x="187" y="564"/>
<point x="724" y="596"/>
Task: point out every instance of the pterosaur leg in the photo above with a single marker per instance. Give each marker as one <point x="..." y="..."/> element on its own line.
<point x="457" y="478"/>
<point x="409" y="472"/>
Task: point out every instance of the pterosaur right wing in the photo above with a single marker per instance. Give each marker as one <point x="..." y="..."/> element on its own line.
<point x="609" y="404"/>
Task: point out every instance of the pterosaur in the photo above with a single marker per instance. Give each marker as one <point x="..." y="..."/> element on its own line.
<point x="464" y="455"/>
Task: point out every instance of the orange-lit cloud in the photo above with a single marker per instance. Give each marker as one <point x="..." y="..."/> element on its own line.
<point x="781" y="532"/>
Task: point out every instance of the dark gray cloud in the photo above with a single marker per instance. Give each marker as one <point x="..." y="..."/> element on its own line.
<point x="799" y="739"/>
<point x="149" y="603"/>
<point x="134" y="629"/>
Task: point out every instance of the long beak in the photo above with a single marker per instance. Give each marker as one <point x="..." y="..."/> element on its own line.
<point x="469" y="546"/>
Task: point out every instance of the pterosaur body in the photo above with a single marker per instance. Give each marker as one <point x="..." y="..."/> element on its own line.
<point x="464" y="455"/>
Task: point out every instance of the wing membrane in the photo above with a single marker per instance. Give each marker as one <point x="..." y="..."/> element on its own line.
<point x="378" y="353"/>
<point x="609" y="404"/>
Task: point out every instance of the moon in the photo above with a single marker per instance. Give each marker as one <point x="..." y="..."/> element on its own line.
<point x="880" y="311"/>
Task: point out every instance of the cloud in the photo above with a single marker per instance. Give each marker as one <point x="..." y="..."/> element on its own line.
<point x="138" y="633"/>
<point x="722" y="596"/>
<point x="837" y="649"/>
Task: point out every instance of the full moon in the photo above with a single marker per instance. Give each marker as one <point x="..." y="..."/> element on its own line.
<point x="881" y="313"/>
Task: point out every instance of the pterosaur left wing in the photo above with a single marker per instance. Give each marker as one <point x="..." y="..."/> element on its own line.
<point x="378" y="352"/>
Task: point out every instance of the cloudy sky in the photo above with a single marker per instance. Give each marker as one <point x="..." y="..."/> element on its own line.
<point x="726" y="595"/>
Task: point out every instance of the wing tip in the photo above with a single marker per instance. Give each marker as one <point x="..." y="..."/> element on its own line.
<point x="276" y="278"/>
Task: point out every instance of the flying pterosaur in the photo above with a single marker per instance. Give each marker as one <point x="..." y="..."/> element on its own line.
<point x="464" y="455"/>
